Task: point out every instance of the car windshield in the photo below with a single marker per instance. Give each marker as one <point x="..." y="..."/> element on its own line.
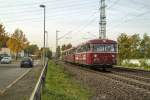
<point x="104" y="47"/>
<point x="26" y="59"/>
<point x="5" y="58"/>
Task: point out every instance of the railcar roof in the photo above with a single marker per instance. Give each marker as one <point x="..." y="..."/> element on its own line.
<point x="94" y="41"/>
<point x="101" y="41"/>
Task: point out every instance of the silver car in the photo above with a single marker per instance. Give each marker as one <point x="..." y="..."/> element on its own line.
<point x="6" y="60"/>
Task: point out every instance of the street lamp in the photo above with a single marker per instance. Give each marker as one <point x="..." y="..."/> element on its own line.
<point x="46" y="43"/>
<point x="56" y="55"/>
<point x="43" y="6"/>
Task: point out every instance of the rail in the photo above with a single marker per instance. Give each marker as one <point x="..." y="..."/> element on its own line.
<point x="37" y="92"/>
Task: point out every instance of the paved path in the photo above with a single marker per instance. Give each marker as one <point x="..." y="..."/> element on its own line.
<point x="9" y="75"/>
<point x="9" y="65"/>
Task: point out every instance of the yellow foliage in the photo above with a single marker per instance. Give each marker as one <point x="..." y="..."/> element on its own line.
<point x="17" y="42"/>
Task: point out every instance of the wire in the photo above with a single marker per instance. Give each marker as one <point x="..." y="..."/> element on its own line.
<point x="47" y="3"/>
<point x="49" y="16"/>
<point x="52" y="9"/>
<point x="113" y="4"/>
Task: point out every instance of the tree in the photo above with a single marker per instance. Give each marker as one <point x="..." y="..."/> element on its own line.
<point x="135" y="45"/>
<point x="58" y="51"/>
<point x="145" y="46"/>
<point x="3" y="36"/>
<point x="65" y="47"/>
<point x="124" y="46"/>
<point x="69" y="46"/>
<point x="17" y="42"/>
<point x="31" y="49"/>
<point x="49" y="53"/>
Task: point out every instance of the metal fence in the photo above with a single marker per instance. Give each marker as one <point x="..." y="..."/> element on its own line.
<point x="37" y="92"/>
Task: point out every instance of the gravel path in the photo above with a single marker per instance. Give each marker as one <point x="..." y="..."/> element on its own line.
<point x="105" y="88"/>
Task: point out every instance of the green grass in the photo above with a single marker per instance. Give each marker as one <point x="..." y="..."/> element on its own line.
<point x="134" y="66"/>
<point x="60" y="85"/>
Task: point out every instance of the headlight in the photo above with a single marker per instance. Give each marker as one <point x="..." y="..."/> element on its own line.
<point x="95" y="55"/>
<point x="113" y="56"/>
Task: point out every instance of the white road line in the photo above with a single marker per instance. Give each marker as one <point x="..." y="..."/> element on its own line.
<point x="11" y="84"/>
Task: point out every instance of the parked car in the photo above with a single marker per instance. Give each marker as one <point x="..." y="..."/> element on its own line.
<point x="6" y="60"/>
<point x="26" y="62"/>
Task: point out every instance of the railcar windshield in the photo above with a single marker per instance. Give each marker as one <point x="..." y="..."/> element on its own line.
<point x="104" y="47"/>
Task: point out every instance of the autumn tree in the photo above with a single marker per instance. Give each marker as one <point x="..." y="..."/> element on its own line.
<point x="17" y="42"/>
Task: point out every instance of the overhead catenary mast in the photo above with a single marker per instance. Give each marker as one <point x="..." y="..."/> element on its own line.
<point x="102" y="22"/>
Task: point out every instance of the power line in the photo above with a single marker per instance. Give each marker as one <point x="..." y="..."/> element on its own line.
<point x="49" y="16"/>
<point x="47" y="3"/>
<point x="113" y="4"/>
<point x="52" y="9"/>
<point x="83" y="27"/>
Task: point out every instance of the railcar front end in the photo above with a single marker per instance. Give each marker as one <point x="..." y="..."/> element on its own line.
<point x="104" y="55"/>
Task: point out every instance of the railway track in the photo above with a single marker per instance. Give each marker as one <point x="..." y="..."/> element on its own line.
<point x="137" y="76"/>
<point x="139" y="82"/>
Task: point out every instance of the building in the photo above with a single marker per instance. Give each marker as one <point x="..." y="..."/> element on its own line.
<point x="8" y="51"/>
<point x="5" y="51"/>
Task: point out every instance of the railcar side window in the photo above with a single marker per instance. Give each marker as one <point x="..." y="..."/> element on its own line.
<point x="87" y="47"/>
<point x="109" y="48"/>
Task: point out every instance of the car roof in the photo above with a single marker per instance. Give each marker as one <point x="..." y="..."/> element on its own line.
<point x="5" y="57"/>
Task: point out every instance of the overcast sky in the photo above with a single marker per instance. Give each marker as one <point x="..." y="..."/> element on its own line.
<point x="79" y="18"/>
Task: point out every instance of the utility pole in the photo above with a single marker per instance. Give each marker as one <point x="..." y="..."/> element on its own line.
<point x="46" y="44"/>
<point x="56" y="55"/>
<point x="102" y="22"/>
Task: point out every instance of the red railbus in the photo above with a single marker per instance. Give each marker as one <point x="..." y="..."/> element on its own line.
<point x="94" y="53"/>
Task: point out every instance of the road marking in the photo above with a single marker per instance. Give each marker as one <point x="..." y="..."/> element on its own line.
<point x="11" y="84"/>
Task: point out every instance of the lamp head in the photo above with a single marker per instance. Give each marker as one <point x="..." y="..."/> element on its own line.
<point x="43" y="6"/>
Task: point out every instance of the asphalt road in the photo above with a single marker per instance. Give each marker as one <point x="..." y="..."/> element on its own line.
<point x="10" y="73"/>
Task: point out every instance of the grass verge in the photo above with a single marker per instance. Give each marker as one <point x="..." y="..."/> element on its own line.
<point x="60" y="85"/>
<point x="133" y="66"/>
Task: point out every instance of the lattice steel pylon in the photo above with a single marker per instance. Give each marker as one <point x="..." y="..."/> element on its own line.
<point x="102" y="22"/>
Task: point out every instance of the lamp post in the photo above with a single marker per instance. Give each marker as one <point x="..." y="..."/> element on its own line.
<point x="46" y="43"/>
<point x="56" y="45"/>
<point x="43" y="6"/>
